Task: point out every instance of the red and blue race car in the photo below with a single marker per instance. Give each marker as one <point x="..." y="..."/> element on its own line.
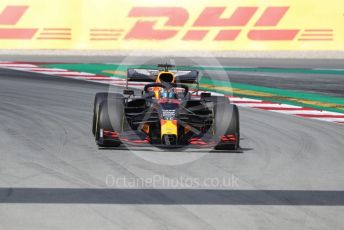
<point x="166" y="113"/>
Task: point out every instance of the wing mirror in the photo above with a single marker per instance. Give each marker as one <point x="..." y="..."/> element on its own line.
<point x="128" y="92"/>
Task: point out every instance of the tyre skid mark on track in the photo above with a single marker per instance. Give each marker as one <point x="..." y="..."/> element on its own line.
<point x="287" y="109"/>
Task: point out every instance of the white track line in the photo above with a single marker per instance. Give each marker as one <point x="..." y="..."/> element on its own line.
<point x="239" y="99"/>
<point x="268" y="105"/>
<point x="306" y="112"/>
<point x="328" y="119"/>
<point x="17" y="65"/>
<point x="40" y="69"/>
<point x="68" y="73"/>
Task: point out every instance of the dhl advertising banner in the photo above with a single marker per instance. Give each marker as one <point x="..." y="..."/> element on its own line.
<point x="172" y="25"/>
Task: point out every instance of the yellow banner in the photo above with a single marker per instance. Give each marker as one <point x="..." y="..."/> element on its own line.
<point x="172" y="25"/>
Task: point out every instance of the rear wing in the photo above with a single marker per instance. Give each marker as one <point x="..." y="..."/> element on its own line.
<point x="142" y="75"/>
<point x="147" y="75"/>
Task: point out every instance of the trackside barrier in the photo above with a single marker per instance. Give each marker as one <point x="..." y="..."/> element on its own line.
<point x="208" y="25"/>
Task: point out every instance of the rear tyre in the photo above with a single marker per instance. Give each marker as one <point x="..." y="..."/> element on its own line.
<point x="99" y="98"/>
<point x="226" y="122"/>
<point x="110" y="117"/>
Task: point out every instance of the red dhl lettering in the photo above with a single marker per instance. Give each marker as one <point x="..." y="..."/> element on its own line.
<point x="210" y="17"/>
<point x="11" y="16"/>
<point x="146" y="27"/>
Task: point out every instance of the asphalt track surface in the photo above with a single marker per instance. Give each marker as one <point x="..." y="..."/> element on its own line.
<point x="288" y="175"/>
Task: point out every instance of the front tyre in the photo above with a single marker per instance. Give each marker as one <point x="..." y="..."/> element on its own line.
<point x="110" y="123"/>
<point x="226" y="125"/>
<point x="98" y="99"/>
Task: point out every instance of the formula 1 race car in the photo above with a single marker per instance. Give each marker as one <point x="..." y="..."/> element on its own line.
<point x="169" y="112"/>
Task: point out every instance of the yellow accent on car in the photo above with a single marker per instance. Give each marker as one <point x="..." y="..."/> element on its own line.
<point x="168" y="127"/>
<point x="187" y="129"/>
<point x="145" y="128"/>
<point x="164" y="74"/>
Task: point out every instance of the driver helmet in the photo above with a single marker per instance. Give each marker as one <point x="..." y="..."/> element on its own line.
<point x="163" y="93"/>
<point x="167" y="94"/>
